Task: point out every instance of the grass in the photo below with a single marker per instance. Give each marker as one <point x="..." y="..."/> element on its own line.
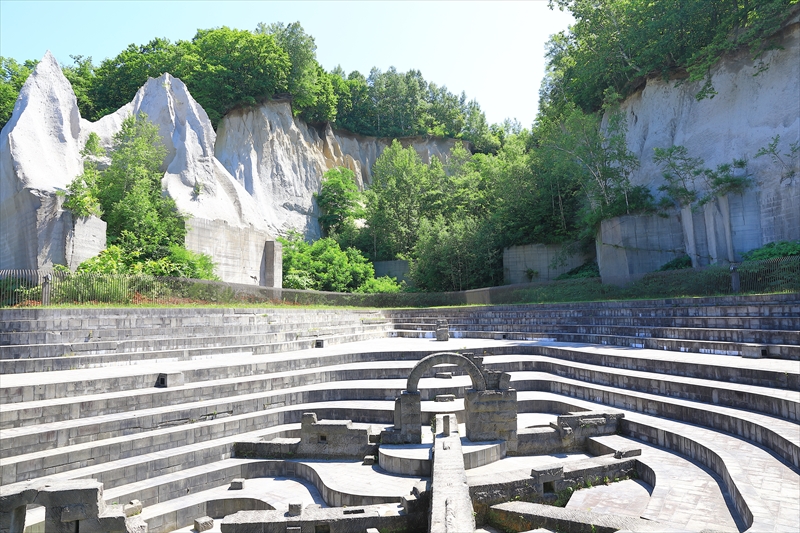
<point x="766" y="277"/>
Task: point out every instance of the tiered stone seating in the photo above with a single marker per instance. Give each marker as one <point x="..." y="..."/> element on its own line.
<point x="726" y="325"/>
<point x="96" y="412"/>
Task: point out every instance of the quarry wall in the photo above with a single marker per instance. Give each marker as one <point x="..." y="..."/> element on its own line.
<point x="750" y="108"/>
<point x="280" y="160"/>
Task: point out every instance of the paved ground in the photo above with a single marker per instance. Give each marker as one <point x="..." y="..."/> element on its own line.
<point x="628" y="498"/>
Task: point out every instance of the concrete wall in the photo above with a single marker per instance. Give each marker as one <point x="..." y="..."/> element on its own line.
<point x="718" y="232"/>
<point x="628" y="247"/>
<point x="539" y="257"/>
<point x="242" y="255"/>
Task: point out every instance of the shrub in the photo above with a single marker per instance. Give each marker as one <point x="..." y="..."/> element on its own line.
<point x="773" y="250"/>
<point x="678" y="263"/>
<point x="589" y="269"/>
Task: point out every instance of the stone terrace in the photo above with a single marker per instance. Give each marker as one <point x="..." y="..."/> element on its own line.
<point x="707" y="386"/>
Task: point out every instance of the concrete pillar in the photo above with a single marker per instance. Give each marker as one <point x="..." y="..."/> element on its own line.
<point x="410" y="413"/>
<point x="272" y="269"/>
<point x="492" y="415"/>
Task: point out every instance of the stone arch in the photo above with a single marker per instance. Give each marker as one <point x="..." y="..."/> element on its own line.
<point x="428" y="362"/>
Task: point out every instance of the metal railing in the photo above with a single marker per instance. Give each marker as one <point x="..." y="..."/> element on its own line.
<point x="46" y="287"/>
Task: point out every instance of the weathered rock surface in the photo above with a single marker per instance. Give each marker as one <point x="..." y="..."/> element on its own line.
<point x="39" y="155"/>
<point x="280" y="160"/>
<point x="193" y="177"/>
<point x="747" y="112"/>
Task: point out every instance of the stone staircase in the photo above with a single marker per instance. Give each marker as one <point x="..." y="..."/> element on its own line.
<point x="97" y="412"/>
<point x="750" y="326"/>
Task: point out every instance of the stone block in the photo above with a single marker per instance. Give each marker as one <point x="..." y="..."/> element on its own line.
<point x="237" y="484"/>
<point x="754" y="351"/>
<point x="444" y="375"/>
<point x="133" y="508"/>
<point x="627" y="452"/>
<point x="369" y="460"/>
<point x="170" y="379"/>
<point x="543" y="475"/>
<point x="442" y="334"/>
<point x="445" y="398"/>
<point x="295" y="509"/>
<point x="204" y="523"/>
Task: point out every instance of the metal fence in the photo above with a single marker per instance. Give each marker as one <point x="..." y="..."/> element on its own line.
<point x="46" y="287"/>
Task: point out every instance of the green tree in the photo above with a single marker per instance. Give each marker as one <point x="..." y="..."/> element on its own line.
<point x="118" y="79"/>
<point x="82" y="192"/>
<point x="310" y="86"/>
<point x="324" y="266"/>
<point x="338" y="200"/>
<point x="12" y="78"/>
<point x="455" y="256"/>
<point x="82" y="77"/>
<point x="395" y="201"/>
<point x="232" y="68"/>
<point x="138" y="215"/>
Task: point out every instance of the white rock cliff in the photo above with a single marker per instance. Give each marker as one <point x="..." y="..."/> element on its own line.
<point x="748" y="111"/>
<point x="280" y="160"/>
<point x="39" y="154"/>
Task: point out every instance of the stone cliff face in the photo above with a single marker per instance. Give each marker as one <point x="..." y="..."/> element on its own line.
<point x="747" y="112"/>
<point x="39" y="154"/>
<point x="254" y="180"/>
<point x="193" y="177"/>
<point x="280" y="160"/>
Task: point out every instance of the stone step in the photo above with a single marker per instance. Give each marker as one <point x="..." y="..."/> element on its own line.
<point x="757" y="336"/>
<point x="415" y="459"/>
<point x="212" y="378"/>
<point x="777" y="351"/>
<point x="757" y="481"/>
<point x="79" y="335"/>
<point x="777" y="434"/>
<point x="138" y="345"/>
<point x="786" y="305"/>
<point x="169" y="441"/>
<point x="75" y="362"/>
<point x="774" y="433"/>
<point x="462" y="322"/>
<point x="19" y="320"/>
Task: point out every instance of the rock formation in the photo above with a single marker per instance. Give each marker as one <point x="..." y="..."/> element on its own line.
<point x="280" y="160"/>
<point x="747" y="112"/>
<point x="39" y="155"/>
<point x="255" y="179"/>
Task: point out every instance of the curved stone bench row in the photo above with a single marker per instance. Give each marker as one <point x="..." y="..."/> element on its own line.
<point x="316" y="385"/>
<point x="87" y="336"/>
<point x="90" y="346"/>
<point x="779" y="351"/>
<point x="63" y="459"/>
<point x="76" y="318"/>
<point x="779" y="435"/>
<point x="781" y="323"/>
<point x="761" y="503"/>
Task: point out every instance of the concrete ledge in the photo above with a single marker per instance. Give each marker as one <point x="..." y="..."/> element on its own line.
<point x="524" y="516"/>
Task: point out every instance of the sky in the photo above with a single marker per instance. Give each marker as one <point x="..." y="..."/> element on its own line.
<point x="493" y="51"/>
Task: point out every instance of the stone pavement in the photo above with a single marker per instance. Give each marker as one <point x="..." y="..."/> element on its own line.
<point x="686" y="494"/>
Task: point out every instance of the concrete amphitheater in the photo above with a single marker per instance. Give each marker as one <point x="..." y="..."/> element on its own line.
<point x="670" y="415"/>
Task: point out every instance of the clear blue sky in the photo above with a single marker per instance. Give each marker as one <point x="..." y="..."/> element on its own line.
<point x="493" y="51"/>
